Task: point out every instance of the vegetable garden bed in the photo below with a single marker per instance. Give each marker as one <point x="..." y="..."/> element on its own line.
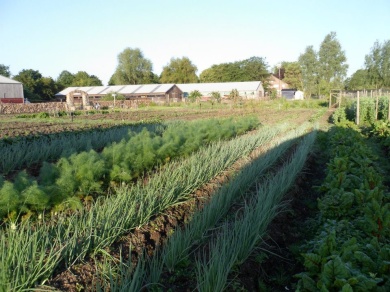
<point x="89" y="236"/>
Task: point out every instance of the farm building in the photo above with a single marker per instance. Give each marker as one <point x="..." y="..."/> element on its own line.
<point x="11" y="91"/>
<point x="248" y="89"/>
<point x="155" y="92"/>
<point x="277" y="84"/>
<point x="292" y="94"/>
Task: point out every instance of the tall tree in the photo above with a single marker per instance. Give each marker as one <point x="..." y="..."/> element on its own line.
<point x="65" y="79"/>
<point x="308" y="62"/>
<point x="332" y="64"/>
<point x="30" y="79"/>
<point x="293" y="75"/>
<point x="255" y="69"/>
<point x="358" y="81"/>
<point x="179" y="71"/>
<point x="82" y="78"/>
<point x="133" y="68"/>
<point x="378" y="64"/>
<point x="48" y="88"/>
<point x="35" y="86"/>
<point x="252" y="69"/>
<point x="4" y="71"/>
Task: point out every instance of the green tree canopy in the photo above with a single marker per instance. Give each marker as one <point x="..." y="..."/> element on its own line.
<point x="179" y="71"/>
<point x="48" y="88"/>
<point x="293" y="75"/>
<point x="35" y="86"/>
<point x="358" y="81"/>
<point x="133" y="68"/>
<point x="30" y="79"/>
<point x="65" y="79"/>
<point x="332" y="64"/>
<point x="308" y="62"/>
<point x="377" y="63"/>
<point x="4" y="71"/>
<point x="252" y="69"/>
<point x="82" y="78"/>
<point x="194" y="95"/>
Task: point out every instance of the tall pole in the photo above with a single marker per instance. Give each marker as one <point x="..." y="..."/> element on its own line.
<point x="376" y="107"/>
<point x="280" y="90"/>
<point x="388" y="111"/>
<point x="114" y="95"/>
<point x="358" y="109"/>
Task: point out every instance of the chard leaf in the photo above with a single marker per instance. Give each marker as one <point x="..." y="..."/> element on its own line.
<point x="334" y="269"/>
<point x="347" y="288"/>
<point x="312" y="262"/>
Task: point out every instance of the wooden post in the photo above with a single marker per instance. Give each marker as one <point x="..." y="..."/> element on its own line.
<point x="388" y="111"/>
<point x="358" y="109"/>
<point x="376" y="108"/>
<point x="330" y="99"/>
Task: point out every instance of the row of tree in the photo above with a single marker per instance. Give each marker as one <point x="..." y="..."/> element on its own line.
<point x="319" y="72"/>
<point x="315" y="72"/>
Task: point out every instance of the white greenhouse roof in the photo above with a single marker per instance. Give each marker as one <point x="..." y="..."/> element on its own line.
<point x="221" y="86"/>
<point x="248" y="86"/>
<point x="122" y="89"/>
<point x="6" y="80"/>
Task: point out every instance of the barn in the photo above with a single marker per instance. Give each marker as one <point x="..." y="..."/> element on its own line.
<point x="247" y="89"/>
<point x="11" y="91"/>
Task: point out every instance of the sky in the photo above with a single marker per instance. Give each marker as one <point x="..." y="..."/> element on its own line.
<point x="84" y="35"/>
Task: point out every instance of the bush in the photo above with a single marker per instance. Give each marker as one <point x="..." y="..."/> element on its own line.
<point x="42" y="115"/>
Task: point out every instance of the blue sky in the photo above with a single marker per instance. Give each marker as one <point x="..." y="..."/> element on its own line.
<point x="51" y="35"/>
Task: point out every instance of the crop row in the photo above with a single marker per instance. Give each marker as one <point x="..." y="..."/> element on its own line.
<point x="86" y="174"/>
<point x="234" y="241"/>
<point x="350" y="251"/>
<point x="30" y="253"/>
<point x="367" y="110"/>
<point x="27" y="151"/>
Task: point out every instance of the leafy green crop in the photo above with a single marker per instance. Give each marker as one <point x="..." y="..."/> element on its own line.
<point x="351" y="251"/>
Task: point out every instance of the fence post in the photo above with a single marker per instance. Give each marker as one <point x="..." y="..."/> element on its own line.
<point x="330" y="99"/>
<point x="376" y="108"/>
<point x="388" y="111"/>
<point x="358" y="109"/>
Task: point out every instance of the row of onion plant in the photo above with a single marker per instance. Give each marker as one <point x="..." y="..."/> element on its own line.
<point x="182" y="243"/>
<point x="30" y="252"/>
<point x="236" y="240"/>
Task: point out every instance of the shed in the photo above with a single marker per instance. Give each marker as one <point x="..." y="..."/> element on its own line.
<point x="11" y="91"/>
<point x="247" y="89"/>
